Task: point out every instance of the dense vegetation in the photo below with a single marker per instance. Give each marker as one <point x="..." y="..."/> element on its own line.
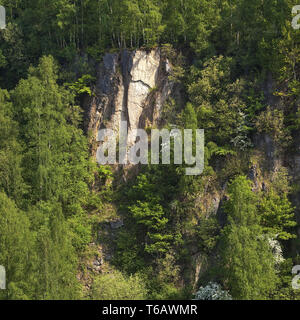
<point x="53" y="196"/>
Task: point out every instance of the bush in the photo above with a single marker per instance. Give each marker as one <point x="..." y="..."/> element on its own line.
<point x="116" y="286"/>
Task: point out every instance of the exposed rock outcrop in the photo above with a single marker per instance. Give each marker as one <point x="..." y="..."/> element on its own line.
<point x="132" y="87"/>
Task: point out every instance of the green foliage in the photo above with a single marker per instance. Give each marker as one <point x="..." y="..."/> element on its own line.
<point x="81" y="230"/>
<point x="130" y="253"/>
<point x="56" y="160"/>
<point x="45" y="168"/>
<point x="11" y="180"/>
<point x="208" y="232"/>
<point x="277" y="215"/>
<point x="247" y="262"/>
<point x="163" y="278"/>
<point x="82" y="85"/>
<point x="224" y="58"/>
<point x="259" y="35"/>
<point x="168" y="113"/>
<point x="13" y="58"/>
<point x="105" y="172"/>
<point x="272" y="123"/>
<point x="151" y="216"/>
<point x="116" y="286"/>
<point x="284" y="289"/>
<point x="149" y="212"/>
<point x="16" y="248"/>
<point x="275" y="209"/>
<point x="219" y="103"/>
<point x="2" y="60"/>
<point x="56" y="263"/>
<point x="189" y="117"/>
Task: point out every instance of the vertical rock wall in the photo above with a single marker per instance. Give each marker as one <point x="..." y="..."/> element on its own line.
<point x="132" y="87"/>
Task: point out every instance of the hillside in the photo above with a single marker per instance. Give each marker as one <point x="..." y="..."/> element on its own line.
<point x="71" y="228"/>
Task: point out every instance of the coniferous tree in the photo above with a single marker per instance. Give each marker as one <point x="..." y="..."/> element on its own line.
<point x="248" y="268"/>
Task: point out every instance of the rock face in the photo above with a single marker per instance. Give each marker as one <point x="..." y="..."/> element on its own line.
<point x="132" y="87"/>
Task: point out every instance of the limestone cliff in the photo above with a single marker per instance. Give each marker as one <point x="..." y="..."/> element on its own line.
<point x="132" y="87"/>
